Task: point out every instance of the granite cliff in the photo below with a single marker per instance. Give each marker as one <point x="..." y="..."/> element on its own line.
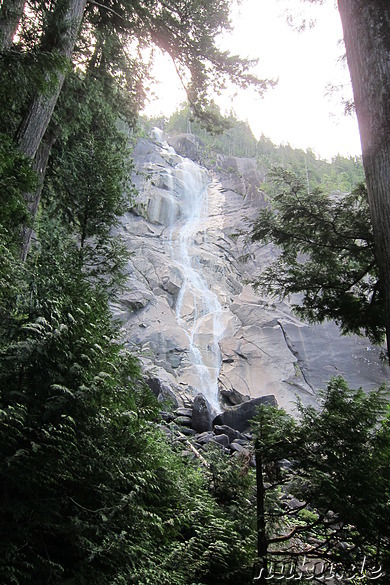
<point x="196" y="324"/>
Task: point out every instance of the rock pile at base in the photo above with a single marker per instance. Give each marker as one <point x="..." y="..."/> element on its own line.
<point x="195" y="422"/>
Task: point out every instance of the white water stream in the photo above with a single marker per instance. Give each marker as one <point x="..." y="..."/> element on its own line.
<point x="198" y="310"/>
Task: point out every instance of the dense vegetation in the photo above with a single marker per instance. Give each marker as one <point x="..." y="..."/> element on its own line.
<point x="336" y="463"/>
<point x="91" y="490"/>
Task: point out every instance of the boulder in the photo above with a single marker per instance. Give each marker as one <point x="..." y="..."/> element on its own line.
<point x="221" y="440"/>
<point x="243" y="442"/>
<point x="188" y="432"/>
<point x="205" y="437"/>
<point x="237" y="448"/>
<point x="162" y="392"/>
<point x="185" y="421"/>
<point x="201" y="414"/>
<point x="225" y="430"/>
<point x="238" y="417"/>
<point x="231" y="395"/>
<point x="183" y="412"/>
<point x="185" y="145"/>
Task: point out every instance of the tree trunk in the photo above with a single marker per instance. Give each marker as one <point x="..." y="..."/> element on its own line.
<point x="262" y="542"/>
<point x="68" y="19"/>
<point x="366" y="26"/>
<point x="33" y="199"/>
<point x="10" y="15"/>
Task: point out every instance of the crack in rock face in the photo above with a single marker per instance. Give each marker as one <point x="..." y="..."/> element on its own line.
<point x="195" y="324"/>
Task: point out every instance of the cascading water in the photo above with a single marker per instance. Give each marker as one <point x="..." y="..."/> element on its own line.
<point x="198" y="310"/>
<point x="180" y="247"/>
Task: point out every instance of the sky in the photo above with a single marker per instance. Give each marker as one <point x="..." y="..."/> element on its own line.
<point x="300" y="110"/>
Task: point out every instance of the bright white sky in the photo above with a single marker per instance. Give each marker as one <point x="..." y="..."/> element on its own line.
<point x="298" y="111"/>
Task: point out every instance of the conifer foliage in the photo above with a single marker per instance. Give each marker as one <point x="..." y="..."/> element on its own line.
<point x="323" y="489"/>
<point x="326" y="253"/>
<point x="90" y="490"/>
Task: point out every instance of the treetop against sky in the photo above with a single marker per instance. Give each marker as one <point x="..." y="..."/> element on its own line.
<point x="302" y="109"/>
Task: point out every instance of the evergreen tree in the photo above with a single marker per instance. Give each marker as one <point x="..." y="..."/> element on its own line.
<point x="366" y="27"/>
<point x="69" y="29"/>
<point x="327" y="254"/>
<point x="323" y="488"/>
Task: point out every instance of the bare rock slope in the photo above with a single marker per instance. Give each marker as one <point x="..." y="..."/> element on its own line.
<point x="189" y="313"/>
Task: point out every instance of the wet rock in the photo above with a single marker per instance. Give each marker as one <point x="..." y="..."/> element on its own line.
<point x="172" y="282"/>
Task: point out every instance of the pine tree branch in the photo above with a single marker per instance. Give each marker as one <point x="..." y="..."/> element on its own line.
<point x="107" y="8"/>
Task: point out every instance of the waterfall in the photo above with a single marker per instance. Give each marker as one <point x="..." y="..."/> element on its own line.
<point x="184" y="263"/>
<point x="198" y="310"/>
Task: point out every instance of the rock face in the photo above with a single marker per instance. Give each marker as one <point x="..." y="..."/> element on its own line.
<point x="195" y="324"/>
